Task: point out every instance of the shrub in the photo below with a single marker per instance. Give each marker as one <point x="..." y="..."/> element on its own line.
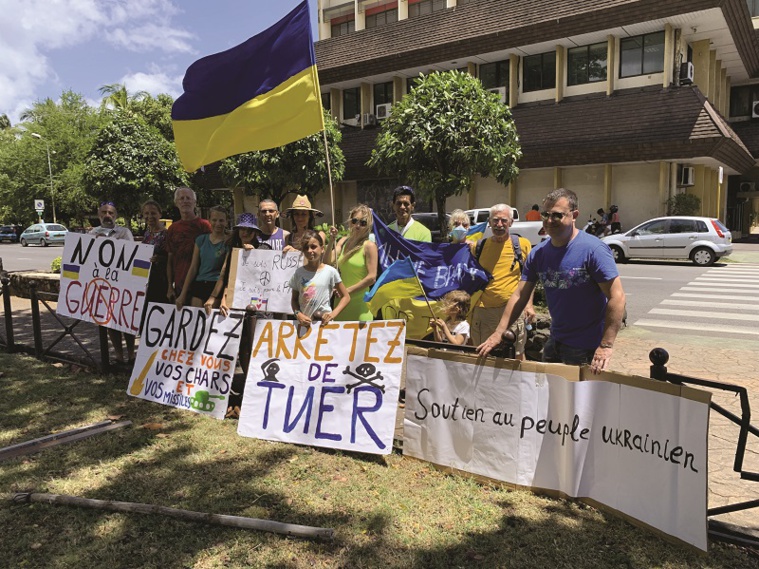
<point x="684" y="204"/>
<point x="55" y="266"/>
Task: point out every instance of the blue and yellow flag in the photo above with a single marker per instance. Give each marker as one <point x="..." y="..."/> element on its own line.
<point x="476" y="232"/>
<point x="260" y="94"/>
<point x="397" y="281"/>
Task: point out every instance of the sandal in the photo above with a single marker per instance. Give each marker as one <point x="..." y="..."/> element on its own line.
<point x="233" y="412"/>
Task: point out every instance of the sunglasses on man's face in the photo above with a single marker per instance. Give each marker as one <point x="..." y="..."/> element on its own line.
<point x="361" y="222"/>
<point x="554" y="215"/>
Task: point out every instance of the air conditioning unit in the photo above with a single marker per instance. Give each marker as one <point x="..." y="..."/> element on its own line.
<point x="686" y="176"/>
<point x="755" y="110"/>
<point x="747" y="187"/>
<point x="687" y="72"/>
<point x="501" y="91"/>
<point x="369" y="120"/>
<point x="383" y="111"/>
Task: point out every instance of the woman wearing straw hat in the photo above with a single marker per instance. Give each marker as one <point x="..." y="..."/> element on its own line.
<point x="303" y="216"/>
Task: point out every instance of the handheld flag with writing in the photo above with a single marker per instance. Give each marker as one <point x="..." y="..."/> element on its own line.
<point x="261" y="94"/>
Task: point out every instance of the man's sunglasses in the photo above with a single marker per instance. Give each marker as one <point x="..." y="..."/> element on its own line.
<point x="107" y="203"/>
<point x="554" y="215"/>
<point x="361" y="222"/>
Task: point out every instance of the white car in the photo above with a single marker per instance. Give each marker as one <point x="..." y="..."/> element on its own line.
<point x="703" y="240"/>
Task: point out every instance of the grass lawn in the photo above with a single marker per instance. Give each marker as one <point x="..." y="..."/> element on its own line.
<point x="386" y="511"/>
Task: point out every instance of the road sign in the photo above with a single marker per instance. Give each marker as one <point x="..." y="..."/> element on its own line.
<point x="39" y="205"/>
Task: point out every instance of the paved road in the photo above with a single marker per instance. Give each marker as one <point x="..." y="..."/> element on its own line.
<point x="721" y="302"/>
<point x="18" y="258"/>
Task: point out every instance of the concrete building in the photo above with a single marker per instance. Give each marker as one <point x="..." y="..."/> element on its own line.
<point x="625" y="102"/>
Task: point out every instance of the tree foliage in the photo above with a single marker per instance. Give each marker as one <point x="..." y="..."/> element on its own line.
<point x="130" y="162"/>
<point x="684" y="204"/>
<point x="298" y="166"/>
<point x="445" y="132"/>
<point x="67" y="128"/>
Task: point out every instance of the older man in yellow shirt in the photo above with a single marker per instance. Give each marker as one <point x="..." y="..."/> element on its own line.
<point x="503" y="256"/>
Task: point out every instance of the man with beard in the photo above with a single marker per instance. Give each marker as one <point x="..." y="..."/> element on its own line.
<point x="180" y="240"/>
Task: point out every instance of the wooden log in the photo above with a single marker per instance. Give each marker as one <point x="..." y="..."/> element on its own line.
<point x="293" y="530"/>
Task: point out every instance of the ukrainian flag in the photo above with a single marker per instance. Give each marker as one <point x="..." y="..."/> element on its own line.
<point x="261" y="94"/>
<point x="397" y="281"/>
<point x="476" y="232"/>
<point x="70" y="271"/>
<point x="141" y="268"/>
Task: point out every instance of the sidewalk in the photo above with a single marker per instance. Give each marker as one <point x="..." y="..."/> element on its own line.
<point x="744" y="253"/>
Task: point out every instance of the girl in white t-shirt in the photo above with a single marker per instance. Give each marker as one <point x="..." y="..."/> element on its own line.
<point x="455" y="328"/>
<point x="313" y="283"/>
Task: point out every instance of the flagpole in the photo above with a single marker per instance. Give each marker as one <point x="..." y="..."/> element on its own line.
<point x="432" y="313"/>
<point x="329" y="177"/>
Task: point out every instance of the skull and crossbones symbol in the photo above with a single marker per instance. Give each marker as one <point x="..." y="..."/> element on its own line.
<point x="366" y="374"/>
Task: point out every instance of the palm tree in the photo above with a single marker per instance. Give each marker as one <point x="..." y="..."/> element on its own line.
<point x="116" y="96"/>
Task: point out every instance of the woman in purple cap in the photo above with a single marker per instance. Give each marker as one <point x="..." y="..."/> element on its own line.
<point x="244" y="236"/>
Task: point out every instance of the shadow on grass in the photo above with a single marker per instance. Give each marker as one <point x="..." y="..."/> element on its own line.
<point x="387" y="511"/>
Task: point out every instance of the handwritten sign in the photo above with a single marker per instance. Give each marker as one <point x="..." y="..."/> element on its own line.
<point x="187" y="359"/>
<point x="260" y="279"/>
<point x="104" y="281"/>
<point x="333" y="385"/>
<point x="635" y="445"/>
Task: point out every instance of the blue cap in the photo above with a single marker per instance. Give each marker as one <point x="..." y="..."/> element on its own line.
<point x="246" y="220"/>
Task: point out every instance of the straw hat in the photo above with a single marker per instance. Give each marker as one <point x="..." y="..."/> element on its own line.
<point x="302" y="203"/>
<point x="246" y="220"/>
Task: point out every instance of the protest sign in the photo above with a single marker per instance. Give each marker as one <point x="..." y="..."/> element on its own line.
<point x="334" y="385"/>
<point x="634" y="445"/>
<point x="187" y="359"/>
<point x="104" y="281"/>
<point x="261" y="279"/>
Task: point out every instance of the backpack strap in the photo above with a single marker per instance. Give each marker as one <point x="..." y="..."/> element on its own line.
<point x="514" y="243"/>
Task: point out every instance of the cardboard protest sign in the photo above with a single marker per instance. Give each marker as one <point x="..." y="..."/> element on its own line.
<point x="104" y="281"/>
<point x="635" y="445"/>
<point x="333" y="385"/>
<point x="261" y="279"/>
<point x="187" y="359"/>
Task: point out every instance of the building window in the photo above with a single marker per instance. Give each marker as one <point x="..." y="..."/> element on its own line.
<point x="742" y="100"/>
<point x="423" y="7"/>
<point x="495" y="74"/>
<point x="327" y="101"/>
<point x="383" y="93"/>
<point x="378" y="19"/>
<point x="586" y="64"/>
<point x="539" y="71"/>
<point x="342" y="26"/>
<point x="351" y="103"/>
<point x="642" y="55"/>
<point x="753" y="7"/>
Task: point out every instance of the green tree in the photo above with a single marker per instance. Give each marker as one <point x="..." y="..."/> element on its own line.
<point x="116" y="96"/>
<point x="5" y="122"/>
<point x="67" y="127"/>
<point x="445" y="132"/>
<point x="684" y="204"/>
<point x="299" y="166"/>
<point x="157" y="113"/>
<point x="130" y="162"/>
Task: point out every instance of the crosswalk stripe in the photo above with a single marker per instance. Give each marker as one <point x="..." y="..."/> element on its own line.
<point x="713" y="328"/>
<point x="703" y="304"/>
<point x="701" y="314"/>
<point x="717" y="289"/>
<point x="731" y="285"/>
<point x="728" y="278"/>
<point x="713" y="296"/>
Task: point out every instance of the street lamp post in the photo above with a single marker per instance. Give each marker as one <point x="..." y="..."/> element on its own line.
<point x="50" y="170"/>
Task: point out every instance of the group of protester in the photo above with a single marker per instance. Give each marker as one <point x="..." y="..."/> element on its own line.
<point x="192" y="261"/>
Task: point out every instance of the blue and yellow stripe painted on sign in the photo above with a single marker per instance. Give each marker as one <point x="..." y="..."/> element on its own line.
<point x="260" y="94"/>
<point x="141" y="268"/>
<point x="70" y="271"/>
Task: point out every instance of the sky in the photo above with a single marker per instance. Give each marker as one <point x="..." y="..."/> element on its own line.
<point x="51" y="46"/>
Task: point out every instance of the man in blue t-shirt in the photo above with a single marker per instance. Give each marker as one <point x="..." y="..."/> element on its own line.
<point x="583" y="289"/>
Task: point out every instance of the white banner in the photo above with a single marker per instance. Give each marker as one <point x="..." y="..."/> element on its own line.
<point x="639" y="448"/>
<point x="104" y="281"/>
<point x="261" y="279"/>
<point x="187" y="359"/>
<point x="332" y="386"/>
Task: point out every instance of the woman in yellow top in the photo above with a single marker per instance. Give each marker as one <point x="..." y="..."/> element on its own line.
<point x="357" y="262"/>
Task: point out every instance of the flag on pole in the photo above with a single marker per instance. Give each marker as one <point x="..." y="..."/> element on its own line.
<point x="260" y="94"/>
<point x="477" y="232"/>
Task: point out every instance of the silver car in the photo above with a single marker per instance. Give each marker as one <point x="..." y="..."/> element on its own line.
<point x="703" y="240"/>
<point x="43" y="234"/>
